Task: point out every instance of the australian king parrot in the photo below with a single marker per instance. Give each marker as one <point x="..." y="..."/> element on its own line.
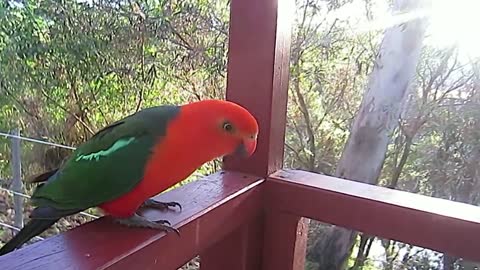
<point x="126" y="163"/>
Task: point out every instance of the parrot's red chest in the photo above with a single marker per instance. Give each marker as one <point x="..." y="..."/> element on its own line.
<point x="161" y="172"/>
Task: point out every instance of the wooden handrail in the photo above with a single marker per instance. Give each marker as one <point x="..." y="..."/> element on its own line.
<point x="218" y="208"/>
<point x="433" y="223"/>
<point x="213" y="207"/>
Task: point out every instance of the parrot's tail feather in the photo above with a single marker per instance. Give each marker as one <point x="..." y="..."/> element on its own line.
<point x="32" y="229"/>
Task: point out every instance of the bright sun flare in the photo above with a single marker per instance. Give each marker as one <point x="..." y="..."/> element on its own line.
<point x="456" y="22"/>
<point x="451" y="22"/>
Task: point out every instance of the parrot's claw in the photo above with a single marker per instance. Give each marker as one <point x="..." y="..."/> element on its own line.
<point x="164" y="222"/>
<point x="141" y="222"/>
<point x="160" y="205"/>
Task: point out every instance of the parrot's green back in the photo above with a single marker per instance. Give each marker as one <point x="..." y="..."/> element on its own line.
<point x="108" y="165"/>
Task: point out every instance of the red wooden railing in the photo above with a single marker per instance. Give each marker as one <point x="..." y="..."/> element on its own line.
<point x="250" y="216"/>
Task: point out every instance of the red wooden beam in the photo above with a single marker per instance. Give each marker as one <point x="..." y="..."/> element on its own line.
<point x="258" y="74"/>
<point x="213" y="208"/>
<point x="246" y="243"/>
<point x="285" y="242"/>
<point x="428" y="222"/>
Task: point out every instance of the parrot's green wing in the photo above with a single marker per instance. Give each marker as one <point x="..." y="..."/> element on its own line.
<point x="108" y="165"/>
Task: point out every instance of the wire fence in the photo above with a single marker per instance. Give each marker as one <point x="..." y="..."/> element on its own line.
<point x="16" y="188"/>
<point x="16" y="136"/>
<point x="23" y="195"/>
<point x="17" y="229"/>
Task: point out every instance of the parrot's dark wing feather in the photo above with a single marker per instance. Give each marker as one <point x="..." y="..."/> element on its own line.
<point x="32" y="229"/>
<point x="107" y="129"/>
<point x="41" y="219"/>
<point x="42" y="177"/>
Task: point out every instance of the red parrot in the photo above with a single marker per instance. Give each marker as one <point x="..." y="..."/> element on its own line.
<point x="126" y="163"/>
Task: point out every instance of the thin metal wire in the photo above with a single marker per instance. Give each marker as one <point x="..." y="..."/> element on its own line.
<point x="11" y="193"/>
<point x="8" y="135"/>
<point x="16" y="229"/>
<point x="88" y="215"/>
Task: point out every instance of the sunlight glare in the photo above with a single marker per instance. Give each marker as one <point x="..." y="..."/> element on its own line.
<point x="451" y="22"/>
<point x="455" y="22"/>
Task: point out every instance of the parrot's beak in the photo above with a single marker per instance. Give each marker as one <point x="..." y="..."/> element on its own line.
<point x="247" y="147"/>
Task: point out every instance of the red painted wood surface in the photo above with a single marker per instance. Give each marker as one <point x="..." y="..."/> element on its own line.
<point x="428" y="222"/>
<point x="285" y="242"/>
<point x="214" y="207"/>
<point x="242" y="248"/>
<point x="258" y="73"/>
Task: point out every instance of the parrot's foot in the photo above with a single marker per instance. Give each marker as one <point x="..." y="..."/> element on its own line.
<point x="141" y="222"/>
<point x="160" y="205"/>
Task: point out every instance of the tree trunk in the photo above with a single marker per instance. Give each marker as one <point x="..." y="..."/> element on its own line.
<point x="363" y="251"/>
<point x="364" y="153"/>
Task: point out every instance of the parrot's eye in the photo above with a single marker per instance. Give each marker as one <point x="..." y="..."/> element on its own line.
<point x="228" y="127"/>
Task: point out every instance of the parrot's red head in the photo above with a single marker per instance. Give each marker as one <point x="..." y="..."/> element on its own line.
<point x="226" y="127"/>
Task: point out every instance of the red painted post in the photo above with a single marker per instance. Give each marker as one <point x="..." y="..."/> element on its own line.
<point x="285" y="242"/>
<point x="258" y="73"/>
<point x="241" y="250"/>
